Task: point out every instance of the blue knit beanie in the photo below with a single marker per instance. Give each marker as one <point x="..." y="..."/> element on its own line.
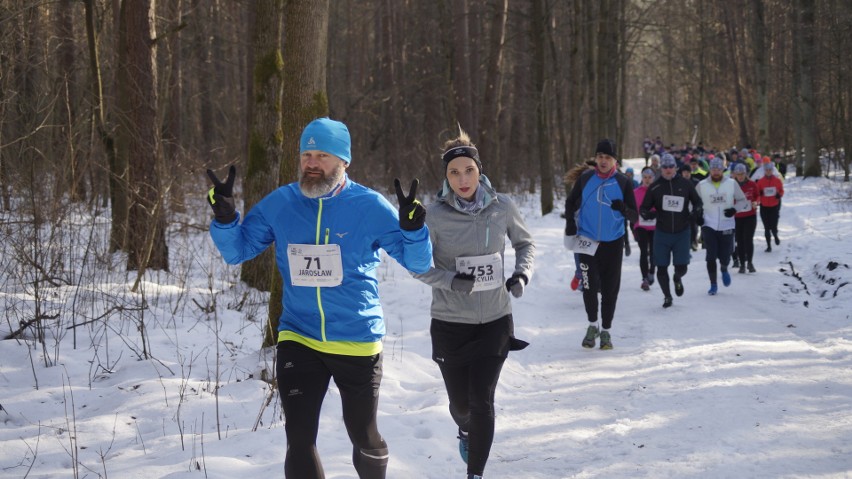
<point x="329" y="136"/>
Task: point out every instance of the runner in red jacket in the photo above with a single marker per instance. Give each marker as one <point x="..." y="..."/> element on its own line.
<point x="746" y="221"/>
<point x="771" y="189"/>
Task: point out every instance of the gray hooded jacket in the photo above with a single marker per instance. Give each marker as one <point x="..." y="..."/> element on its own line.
<point x="459" y="233"/>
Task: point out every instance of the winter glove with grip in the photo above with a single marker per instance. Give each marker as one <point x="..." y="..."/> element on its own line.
<point x="730" y="212"/>
<point x="463" y="283"/>
<point x="412" y="214"/>
<point x="221" y="196"/>
<point x="516" y="283"/>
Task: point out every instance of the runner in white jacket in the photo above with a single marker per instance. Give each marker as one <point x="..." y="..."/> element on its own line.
<point x="722" y="198"/>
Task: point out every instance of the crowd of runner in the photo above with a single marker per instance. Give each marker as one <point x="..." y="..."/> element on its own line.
<point x="684" y="199"/>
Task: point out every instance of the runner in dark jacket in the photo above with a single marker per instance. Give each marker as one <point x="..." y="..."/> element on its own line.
<point x="676" y="203"/>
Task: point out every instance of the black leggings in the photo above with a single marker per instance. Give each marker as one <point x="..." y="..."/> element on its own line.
<point x="471" y="390"/>
<point x="602" y="274"/>
<point x="471" y="357"/>
<point x="663" y="277"/>
<point x="645" y="240"/>
<point x="745" y="238"/>
<point x="303" y="378"/>
<point x="769" y="218"/>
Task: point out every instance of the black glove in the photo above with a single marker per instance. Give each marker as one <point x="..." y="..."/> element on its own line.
<point x="698" y="216"/>
<point x="221" y="196"/>
<point x="412" y="214"/>
<point x="777" y="196"/>
<point x="730" y="212"/>
<point x="648" y="215"/>
<point x="463" y="283"/>
<point x="570" y="228"/>
<point x="516" y="283"/>
<point x="618" y="205"/>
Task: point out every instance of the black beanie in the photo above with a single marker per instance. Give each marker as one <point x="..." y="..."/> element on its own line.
<point x="607" y="147"/>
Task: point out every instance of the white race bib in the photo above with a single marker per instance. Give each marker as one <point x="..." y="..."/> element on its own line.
<point x="315" y="265"/>
<point x="717" y="199"/>
<point x="488" y="270"/>
<point x="673" y="204"/>
<point x="585" y="246"/>
<point x="769" y="191"/>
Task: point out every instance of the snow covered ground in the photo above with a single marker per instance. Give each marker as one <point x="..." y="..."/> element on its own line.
<point x="755" y="382"/>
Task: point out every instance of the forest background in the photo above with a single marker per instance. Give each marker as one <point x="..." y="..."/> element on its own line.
<point x="118" y="108"/>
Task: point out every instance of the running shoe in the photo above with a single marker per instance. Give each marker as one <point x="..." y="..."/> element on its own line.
<point x="645" y="286"/>
<point x="713" y="289"/>
<point x="678" y="284"/>
<point x="575" y="283"/>
<point x="667" y="302"/>
<point x="591" y="334"/>
<point x="606" y="342"/>
<point x="751" y="268"/>
<point x="464" y="445"/>
<point x="726" y="278"/>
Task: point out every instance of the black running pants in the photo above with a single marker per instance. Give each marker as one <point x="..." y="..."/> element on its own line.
<point x="303" y="378"/>
<point x="602" y="274"/>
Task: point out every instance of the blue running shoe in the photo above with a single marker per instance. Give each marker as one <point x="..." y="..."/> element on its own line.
<point x="464" y="444"/>
<point x="726" y="278"/>
<point x="713" y="289"/>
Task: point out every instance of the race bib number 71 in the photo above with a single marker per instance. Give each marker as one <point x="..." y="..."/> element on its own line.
<point x="315" y="265"/>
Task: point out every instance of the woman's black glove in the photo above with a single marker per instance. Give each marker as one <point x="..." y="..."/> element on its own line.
<point x="463" y="283"/>
<point x="516" y="283"/>
<point x="730" y="212"/>
<point x="618" y="205"/>
<point x="221" y="196"/>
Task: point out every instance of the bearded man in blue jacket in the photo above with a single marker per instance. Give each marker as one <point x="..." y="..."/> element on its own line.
<point x="327" y="231"/>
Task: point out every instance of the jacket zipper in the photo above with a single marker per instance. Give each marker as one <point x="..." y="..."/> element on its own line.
<point x="319" y="290"/>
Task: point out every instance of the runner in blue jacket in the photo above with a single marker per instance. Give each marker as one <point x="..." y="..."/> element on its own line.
<point x="595" y="211"/>
<point x="327" y="231"/>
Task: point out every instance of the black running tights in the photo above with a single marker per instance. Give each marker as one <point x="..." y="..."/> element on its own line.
<point x="303" y="378"/>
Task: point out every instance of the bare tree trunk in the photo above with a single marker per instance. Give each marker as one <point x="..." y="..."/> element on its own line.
<point x="304" y="99"/>
<point x="67" y="117"/>
<point x="808" y="100"/>
<point x="735" y="72"/>
<point x="115" y="164"/>
<point x="761" y="72"/>
<point x="606" y="74"/>
<point x="138" y="137"/>
<point x="487" y="140"/>
<point x="173" y="95"/>
<point x="538" y="40"/>
<point x="461" y="65"/>
<point x="796" y="68"/>
<point x="264" y="151"/>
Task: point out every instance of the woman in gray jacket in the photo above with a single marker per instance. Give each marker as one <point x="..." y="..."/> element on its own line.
<point x="472" y="328"/>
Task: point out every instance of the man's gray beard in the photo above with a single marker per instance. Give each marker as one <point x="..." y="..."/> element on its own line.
<point x="316" y="187"/>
